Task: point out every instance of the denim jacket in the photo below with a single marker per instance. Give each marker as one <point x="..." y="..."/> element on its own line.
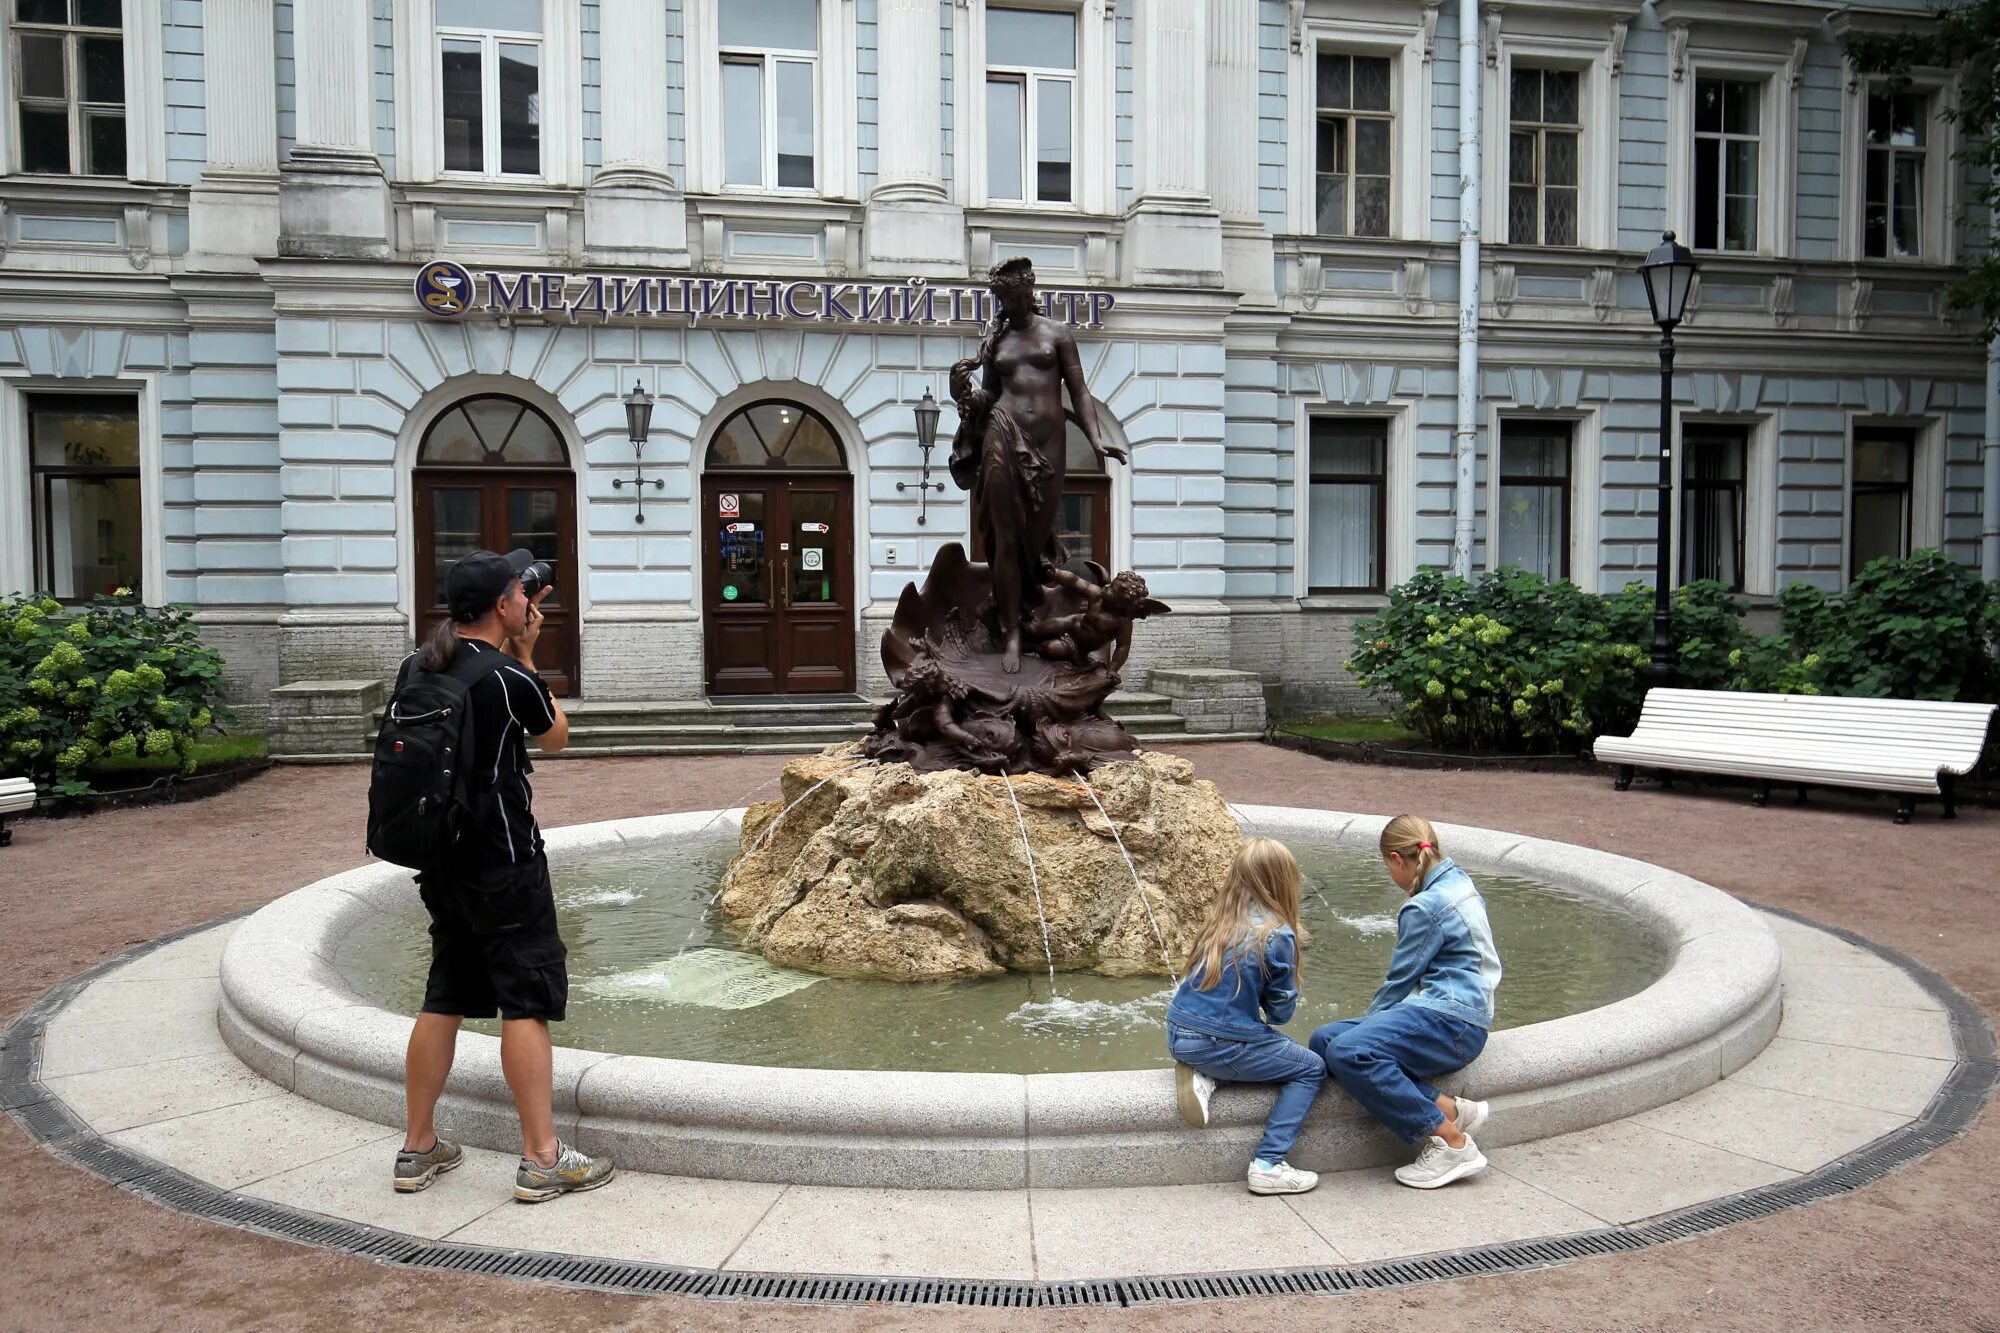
<point x="1229" y="1009"/>
<point x="1444" y="958"/>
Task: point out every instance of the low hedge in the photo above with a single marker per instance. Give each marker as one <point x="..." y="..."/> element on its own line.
<point x="112" y="680"/>
<point x="1520" y="664"/>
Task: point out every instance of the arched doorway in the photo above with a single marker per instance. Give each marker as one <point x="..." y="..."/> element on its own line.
<point x="777" y="508"/>
<point x="492" y="472"/>
<point x="1085" y="525"/>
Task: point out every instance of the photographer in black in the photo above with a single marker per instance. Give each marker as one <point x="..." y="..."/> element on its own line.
<point x="494" y="944"/>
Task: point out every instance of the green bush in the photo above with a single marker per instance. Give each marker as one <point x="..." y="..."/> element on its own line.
<point x="114" y="679"/>
<point x="1924" y="627"/>
<point x="1519" y="664"/>
<point x="1512" y="662"/>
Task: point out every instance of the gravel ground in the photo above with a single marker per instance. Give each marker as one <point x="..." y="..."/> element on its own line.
<point x="1914" y="1251"/>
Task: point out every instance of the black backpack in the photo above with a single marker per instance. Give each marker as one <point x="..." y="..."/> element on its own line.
<point x="421" y="796"/>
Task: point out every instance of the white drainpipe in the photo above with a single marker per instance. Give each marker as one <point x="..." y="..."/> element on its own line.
<point x="1470" y="73"/>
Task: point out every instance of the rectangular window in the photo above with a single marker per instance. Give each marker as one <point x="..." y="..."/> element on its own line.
<point x="1898" y="151"/>
<point x="770" y="86"/>
<point x="1030" y="106"/>
<point x="1356" y="145"/>
<point x="84" y="476"/>
<point x="1713" y="462"/>
<point x="1346" y="504"/>
<point x="1533" y="519"/>
<point x="1727" y="125"/>
<point x="490" y="86"/>
<point x="69" y="86"/>
<point x="1545" y="120"/>
<point x="1878" y="523"/>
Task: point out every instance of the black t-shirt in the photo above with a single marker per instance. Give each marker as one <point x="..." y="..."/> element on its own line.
<point x="508" y="703"/>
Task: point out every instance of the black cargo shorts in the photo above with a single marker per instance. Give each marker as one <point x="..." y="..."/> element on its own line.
<point x="494" y="944"/>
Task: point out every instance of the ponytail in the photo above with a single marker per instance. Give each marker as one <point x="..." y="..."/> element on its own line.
<point x="1412" y="838"/>
<point x="440" y="648"/>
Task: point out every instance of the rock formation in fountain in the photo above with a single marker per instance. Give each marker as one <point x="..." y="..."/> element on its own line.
<point x="888" y="873"/>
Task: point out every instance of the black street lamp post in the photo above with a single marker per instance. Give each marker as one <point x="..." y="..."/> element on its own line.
<point x="927" y="419"/>
<point x="638" y="424"/>
<point x="1669" y="273"/>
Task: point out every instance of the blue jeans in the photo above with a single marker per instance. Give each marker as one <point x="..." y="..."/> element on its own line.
<point x="1272" y="1059"/>
<point x="1382" y="1060"/>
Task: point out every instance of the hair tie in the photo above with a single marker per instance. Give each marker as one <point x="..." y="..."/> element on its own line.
<point x="1425" y="847"/>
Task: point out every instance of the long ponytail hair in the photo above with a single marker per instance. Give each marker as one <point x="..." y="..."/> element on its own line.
<point x="1261" y="894"/>
<point x="440" y="648"/>
<point x="1412" y="838"/>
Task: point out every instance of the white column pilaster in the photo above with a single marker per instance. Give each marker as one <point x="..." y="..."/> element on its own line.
<point x="233" y="211"/>
<point x="635" y="210"/>
<point x="911" y="225"/>
<point x="1233" y="150"/>
<point x="335" y="201"/>
<point x="1173" y="234"/>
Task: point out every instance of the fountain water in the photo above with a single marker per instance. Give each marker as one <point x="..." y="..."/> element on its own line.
<point x="762" y="838"/>
<point x="1034" y="881"/>
<point x="1165" y="955"/>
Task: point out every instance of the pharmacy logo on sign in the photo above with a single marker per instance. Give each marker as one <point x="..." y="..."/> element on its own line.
<point x="444" y="289"/>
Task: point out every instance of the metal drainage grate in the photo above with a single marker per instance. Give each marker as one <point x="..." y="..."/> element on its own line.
<point x="48" y="1120"/>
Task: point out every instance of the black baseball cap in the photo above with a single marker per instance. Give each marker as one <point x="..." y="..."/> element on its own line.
<point x="479" y="580"/>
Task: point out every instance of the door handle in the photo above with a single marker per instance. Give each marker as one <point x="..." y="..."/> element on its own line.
<point x="784" y="585"/>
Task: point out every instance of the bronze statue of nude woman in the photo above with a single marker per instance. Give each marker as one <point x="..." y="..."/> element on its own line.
<point x="1009" y="449"/>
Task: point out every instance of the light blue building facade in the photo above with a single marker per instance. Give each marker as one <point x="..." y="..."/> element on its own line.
<point x="236" y="370"/>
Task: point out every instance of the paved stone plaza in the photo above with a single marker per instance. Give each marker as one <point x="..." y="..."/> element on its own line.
<point x="1861" y="1050"/>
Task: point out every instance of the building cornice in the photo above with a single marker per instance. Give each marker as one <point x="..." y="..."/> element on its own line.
<point x="1784" y="15"/>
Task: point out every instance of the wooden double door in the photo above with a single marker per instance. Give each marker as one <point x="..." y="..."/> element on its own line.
<point x="462" y="511"/>
<point x="778" y="574"/>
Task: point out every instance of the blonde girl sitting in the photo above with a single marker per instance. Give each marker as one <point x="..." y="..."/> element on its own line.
<point x="1242" y="978"/>
<point x="1430" y="1016"/>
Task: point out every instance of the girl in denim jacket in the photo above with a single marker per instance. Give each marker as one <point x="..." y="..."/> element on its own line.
<point x="1242" y="977"/>
<point x="1430" y="1016"/>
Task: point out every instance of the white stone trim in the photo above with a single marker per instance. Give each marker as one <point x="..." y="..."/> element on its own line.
<point x="836" y="164"/>
<point x="145" y="99"/>
<point x="1739" y="53"/>
<point x="1586" y="488"/>
<point x="1399" y="480"/>
<point x="1594" y="47"/>
<point x="1928" y="465"/>
<point x="419" y="110"/>
<point x="1396" y="31"/>
<point x="1095" y="127"/>
<point x="17" y="501"/>
<point x="440" y="398"/>
<point x="1760" y="498"/>
<point x="1942" y="195"/>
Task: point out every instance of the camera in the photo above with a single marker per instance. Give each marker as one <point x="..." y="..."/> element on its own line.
<point x="537" y="576"/>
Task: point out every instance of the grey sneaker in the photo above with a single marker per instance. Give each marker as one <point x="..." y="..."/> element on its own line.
<point x="1468" y="1114"/>
<point x="1193" y="1089"/>
<point x="1283" y="1178"/>
<point x="416" y="1170"/>
<point x="573" y="1173"/>
<point x="1440" y="1164"/>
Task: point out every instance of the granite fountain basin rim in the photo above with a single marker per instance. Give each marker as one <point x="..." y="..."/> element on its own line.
<point x="288" y="1014"/>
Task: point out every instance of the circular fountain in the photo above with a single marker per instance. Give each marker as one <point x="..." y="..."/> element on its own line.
<point x="690" y="1052"/>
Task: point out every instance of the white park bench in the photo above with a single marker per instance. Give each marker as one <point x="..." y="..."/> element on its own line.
<point x="17" y="796"/>
<point x="1910" y="747"/>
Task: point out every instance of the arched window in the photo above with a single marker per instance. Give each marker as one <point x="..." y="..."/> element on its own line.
<point x="492" y="430"/>
<point x="776" y="435"/>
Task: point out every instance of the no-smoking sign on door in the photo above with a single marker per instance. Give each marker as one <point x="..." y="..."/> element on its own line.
<point x="728" y="505"/>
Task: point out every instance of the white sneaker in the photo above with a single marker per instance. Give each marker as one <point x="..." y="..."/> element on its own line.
<point x="1284" y="1178"/>
<point x="1194" y="1089"/>
<point x="1440" y="1164"/>
<point x="1468" y="1114"/>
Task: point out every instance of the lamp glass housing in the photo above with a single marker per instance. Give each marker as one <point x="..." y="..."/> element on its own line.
<point x="638" y="414"/>
<point x="1669" y="273"/>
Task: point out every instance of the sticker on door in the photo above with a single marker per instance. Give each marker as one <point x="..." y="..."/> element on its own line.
<point x="812" y="558"/>
<point x="729" y="504"/>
